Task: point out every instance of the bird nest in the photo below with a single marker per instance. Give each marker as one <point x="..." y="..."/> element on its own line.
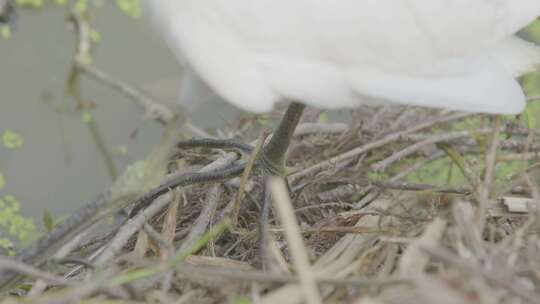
<point x="400" y="205"/>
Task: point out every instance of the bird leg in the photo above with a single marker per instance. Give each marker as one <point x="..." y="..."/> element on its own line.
<point x="273" y="159"/>
<point x="273" y="156"/>
<point x="271" y="162"/>
<point x="274" y="153"/>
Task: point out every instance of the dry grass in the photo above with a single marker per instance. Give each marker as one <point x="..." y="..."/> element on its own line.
<point x="346" y="238"/>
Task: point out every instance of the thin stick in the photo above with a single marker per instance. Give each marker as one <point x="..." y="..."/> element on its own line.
<point x="491" y="158"/>
<point x="375" y="144"/>
<point x="381" y="165"/>
<point x="152" y="109"/>
<point x="266" y="277"/>
<point x="533" y="98"/>
<point x="200" y="225"/>
<point x="245" y="176"/>
<point x="27" y="270"/>
<point x="157" y="205"/>
<point x="138" y="274"/>
<point x="474" y="269"/>
<point x="294" y="238"/>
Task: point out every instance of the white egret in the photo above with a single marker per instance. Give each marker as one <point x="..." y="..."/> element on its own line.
<point x="455" y="54"/>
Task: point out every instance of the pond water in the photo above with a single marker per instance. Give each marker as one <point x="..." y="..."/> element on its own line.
<point x="58" y="167"/>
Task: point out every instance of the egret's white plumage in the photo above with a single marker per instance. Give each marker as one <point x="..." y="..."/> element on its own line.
<point x="457" y="54"/>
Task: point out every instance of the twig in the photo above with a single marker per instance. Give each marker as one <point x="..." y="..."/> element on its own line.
<point x="417" y="166"/>
<point x="533" y="98"/>
<point x="381" y="165"/>
<point x="27" y="270"/>
<point x="79" y="291"/>
<point x="422" y="187"/>
<point x="81" y="58"/>
<point x="202" y="222"/>
<point x="213" y="233"/>
<point x="309" y="128"/>
<point x="168" y="230"/>
<point x="73" y="243"/>
<point x="457" y="158"/>
<point x="508" y="157"/>
<point x="266" y="277"/>
<point x="82" y="63"/>
<point x="132" y="226"/>
<point x="339" y="229"/>
<point x="152" y="108"/>
<point x="373" y="145"/>
<point x="90" y="258"/>
<point x="298" y="251"/>
<point x="61" y="255"/>
<point x="491" y="158"/>
<point x="376" y="118"/>
<point x="475" y="270"/>
<point x="245" y="176"/>
<point x="413" y="261"/>
<point x="156" y="237"/>
<point x="158" y="203"/>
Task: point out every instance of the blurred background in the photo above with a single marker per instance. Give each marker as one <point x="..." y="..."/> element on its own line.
<point x="52" y="149"/>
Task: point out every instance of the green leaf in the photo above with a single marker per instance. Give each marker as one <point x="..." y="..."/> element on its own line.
<point x="5" y="32"/>
<point x="95" y="36"/>
<point x="12" y="140"/>
<point x="81" y="6"/>
<point x="132" y="8"/>
<point x="16" y="226"/>
<point x="87" y="117"/>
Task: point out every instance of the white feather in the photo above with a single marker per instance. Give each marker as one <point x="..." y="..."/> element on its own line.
<point x="458" y="54"/>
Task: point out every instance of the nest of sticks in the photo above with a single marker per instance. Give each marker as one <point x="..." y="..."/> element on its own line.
<point x="362" y="230"/>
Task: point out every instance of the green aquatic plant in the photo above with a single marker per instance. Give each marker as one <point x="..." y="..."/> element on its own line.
<point x="14" y="227"/>
<point x="12" y="140"/>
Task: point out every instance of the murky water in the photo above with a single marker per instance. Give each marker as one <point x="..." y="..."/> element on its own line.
<point x="58" y="167"/>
